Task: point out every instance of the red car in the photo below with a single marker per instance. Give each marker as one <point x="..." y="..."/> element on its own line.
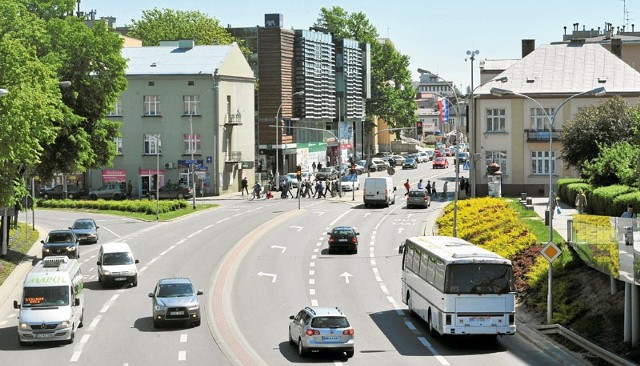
<point x="438" y="153"/>
<point x="440" y="163"/>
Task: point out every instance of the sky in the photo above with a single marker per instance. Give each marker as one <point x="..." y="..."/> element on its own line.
<point x="435" y="35"/>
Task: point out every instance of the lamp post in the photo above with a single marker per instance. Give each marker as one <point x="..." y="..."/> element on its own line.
<point x="373" y="136"/>
<point x="157" y="177"/>
<point x="277" y="173"/>
<point x="551" y="118"/>
<point x="472" y="129"/>
<point x="192" y="166"/>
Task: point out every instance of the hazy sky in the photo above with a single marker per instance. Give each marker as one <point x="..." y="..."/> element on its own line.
<point x="434" y="34"/>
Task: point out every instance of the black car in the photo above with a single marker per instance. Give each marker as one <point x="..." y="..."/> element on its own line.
<point x="61" y="242"/>
<point x="410" y="163"/>
<point x="343" y="238"/>
<point x="86" y="230"/>
<point x="172" y="191"/>
<point x="73" y="191"/>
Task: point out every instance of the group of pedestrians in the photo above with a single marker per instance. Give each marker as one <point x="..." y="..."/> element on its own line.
<point x="432" y="189"/>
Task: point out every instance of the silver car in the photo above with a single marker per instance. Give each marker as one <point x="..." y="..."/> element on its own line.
<point x="321" y="328"/>
<point x="174" y="300"/>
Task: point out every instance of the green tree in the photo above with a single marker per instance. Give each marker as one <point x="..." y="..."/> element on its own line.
<point x="392" y="93"/>
<point x="165" y="24"/>
<point x="597" y="126"/>
<point x="616" y="164"/>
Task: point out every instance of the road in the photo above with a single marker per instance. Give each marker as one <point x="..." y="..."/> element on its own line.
<point x="259" y="262"/>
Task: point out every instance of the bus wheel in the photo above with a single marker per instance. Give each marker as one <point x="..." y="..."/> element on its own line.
<point x="432" y="330"/>
<point x="411" y="312"/>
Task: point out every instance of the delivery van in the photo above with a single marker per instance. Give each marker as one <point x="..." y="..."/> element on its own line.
<point x="52" y="305"/>
<point x="378" y="191"/>
<point x="116" y="265"/>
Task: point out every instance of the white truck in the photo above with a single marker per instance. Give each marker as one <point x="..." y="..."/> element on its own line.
<point x="52" y="305"/>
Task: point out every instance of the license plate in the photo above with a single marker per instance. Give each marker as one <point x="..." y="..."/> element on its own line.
<point x="330" y="338"/>
<point x="342" y="240"/>
<point x="176" y="313"/>
<point x="478" y="319"/>
<point x="44" y="335"/>
<point x="120" y="279"/>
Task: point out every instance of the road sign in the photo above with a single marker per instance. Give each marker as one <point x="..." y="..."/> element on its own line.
<point x="391" y="171"/>
<point x="466" y="166"/>
<point x="551" y="251"/>
<point x="189" y="162"/>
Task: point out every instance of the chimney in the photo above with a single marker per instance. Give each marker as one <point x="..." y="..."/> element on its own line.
<point x="616" y="47"/>
<point x="528" y="45"/>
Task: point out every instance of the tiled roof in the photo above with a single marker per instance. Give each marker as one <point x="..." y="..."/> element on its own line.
<point x="171" y="60"/>
<point x="568" y="69"/>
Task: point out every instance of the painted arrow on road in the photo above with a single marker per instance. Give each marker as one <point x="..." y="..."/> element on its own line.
<point x="296" y="227"/>
<point x="346" y="276"/>
<point x="400" y="230"/>
<point x="279" y="247"/>
<point x="273" y="276"/>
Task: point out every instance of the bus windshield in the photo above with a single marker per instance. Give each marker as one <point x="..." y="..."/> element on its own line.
<point x="479" y="278"/>
<point x="46" y="296"/>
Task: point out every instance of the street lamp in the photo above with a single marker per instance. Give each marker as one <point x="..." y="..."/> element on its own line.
<point x="551" y="118"/>
<point x="157" y="177"/>
<point x="277" y="174"/>
<point x="472" y="128"/>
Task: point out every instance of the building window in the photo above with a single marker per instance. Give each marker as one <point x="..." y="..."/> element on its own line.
<point x="190" y="105"/>
<point x="117" y="109"/>
<point x="540" y="162"/>
<point x="152" y="144"/>
<point x="192" y="145"/>
<point x="118" y="141"/>
<point x="499" y="157"/>
<point x="496" y="121"/>
<point x="151" y="105"/>
<point x="539" y="118"/>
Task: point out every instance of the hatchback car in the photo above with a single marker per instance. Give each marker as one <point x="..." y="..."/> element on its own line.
<point x="343" y="238"/>
<point x="86" y="230"/>
<point x="463" y="157"/>
<point x="316" y="329"/>
<point x="73" y="191"/>
<point x="174" y="300"/>
<point x="114" y="191"/>
<point x="410" y="163"/>
<point x="172" y="191"/>
<point x="327" y="173"/>
<point x="61" y="242"/>
<point x="440" y="163"/>
<point x="350" y="183"/>
<point x="418" y="198"/>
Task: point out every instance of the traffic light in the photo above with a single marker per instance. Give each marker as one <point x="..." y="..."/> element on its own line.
<point x="419" y="128"/>
<point x="299" y="173"/>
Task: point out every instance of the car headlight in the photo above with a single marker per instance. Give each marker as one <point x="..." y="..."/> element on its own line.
<point x="71" y="249"/>
<point x="193" y="306"/>
<point x="24" y="326"/>
<point x="64" y="324"/>
<point x="107" y="273"/>
<point x="46" y="250"/>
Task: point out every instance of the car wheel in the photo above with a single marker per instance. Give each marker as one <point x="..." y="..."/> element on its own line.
<point x="73" y="335"/>
<point x="354" y="250"/>
<point x="116" y="196"/>
<point x="45" y="196"/>
<point x="135" y="282"/>
<point x="302" y="352"/>
<point x="349" y="354"/>
<point x="93" y="197"/>
<point x="70" y="196"/>
<point x="180" y="196"/>
<point x="81" y="319"/>
<point x="197" y="323"/>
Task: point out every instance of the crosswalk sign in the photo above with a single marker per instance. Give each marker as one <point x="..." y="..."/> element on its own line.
<point x="466" y="166"/>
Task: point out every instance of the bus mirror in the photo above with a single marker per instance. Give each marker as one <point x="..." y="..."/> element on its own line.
<point x="401" y="248"/>
<point x="15" y="304"/>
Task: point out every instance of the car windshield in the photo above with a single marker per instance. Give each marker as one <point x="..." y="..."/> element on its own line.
<point x="417" y="193"/>
<point x="342" y="232"/>
<point x="45" y="296"/>
<point x="83" y="225"/>
<point x="349" y="178"/>
<point x="59" y="238"/>
<point x="175" y="290"/>
<point x="117" y="259"/>
<point x="330" y="322"/>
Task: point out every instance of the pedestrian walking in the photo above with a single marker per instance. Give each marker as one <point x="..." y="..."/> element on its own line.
<point x="407" y="186"/>
<point x="629" y="214"/>
<point x="434" y="192"/>
<point x="313" y="166"/>
<point x="444" y="191"/>
<point x="581" y="201"/>
<point x="429" y="187"/>
<point x="129" y="189"/>
<point x="244" y="186"/>
<point x="420" y="184"/>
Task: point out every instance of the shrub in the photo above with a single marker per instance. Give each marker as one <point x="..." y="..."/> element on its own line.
<point x="602" y="199"/>
<point x="563" y="189"/>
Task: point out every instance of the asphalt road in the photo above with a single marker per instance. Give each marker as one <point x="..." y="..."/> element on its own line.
<point x="259" y="262"/>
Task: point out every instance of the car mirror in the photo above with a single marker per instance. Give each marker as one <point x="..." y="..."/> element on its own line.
<point x="357" y="233"/>
<point x="328" y="233"/>
<point x="137" y="261"/>
<point x="290" y="317"/>
<point x="15" y="304"/>
<point x="150" y="294"/>
<point x="199" y="292"/>
<point x="99" y="263"/>
<point x="42" y="241"/>
<point x="77" y="302"/>
<point x="70" y="228"/>
<point x="401" y="248"/>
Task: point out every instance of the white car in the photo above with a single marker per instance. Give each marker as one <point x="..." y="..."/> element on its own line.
<point x="349" y="183"/>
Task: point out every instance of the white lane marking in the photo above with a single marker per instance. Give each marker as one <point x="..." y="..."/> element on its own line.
<point x="167" y="250"/>
<point x="373" y="262"/>
<point x="312" y="281"/>
<point x="346" y="276"/>
<point x="312" y="291"/>
<point x="440" y="359"/>
<point x="318" y="244"/>
<point x="143" y="269"/>
<point x="153" y="260"/>
<point x="223" y="220"/>
<point x="273" y="276"/>
<point x="409" y="325"/>
<point x="399" y="312"/>
<point x="282" y="249"/>
<point x="384" y="289"/>
<point x="76" y="356"/>
<point x="313" y="257"/>
<point x="393" y="302"/>
<point x="296" y="227"/>
<point x="85" y="338"/>
<point x="316" y="250"/>
<point x="181" y="241"/>
<point x="194" y="234"/>
<point x="312" y="264"/>
<point x="104" y="228"/>
<point x="109" y="303"/>
<point x="94" y="322"/>
<point x="314" y="302"/>
<point x="183" y="338"/>
<point x="182" y="356"/>
<point x="208" y="227"/>
<point x="312" y="272"/>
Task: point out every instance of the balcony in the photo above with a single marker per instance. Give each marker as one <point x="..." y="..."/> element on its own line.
<point x="233" y="157"/>
<point x="542" y="135"/>
<point x="233" y="119"/>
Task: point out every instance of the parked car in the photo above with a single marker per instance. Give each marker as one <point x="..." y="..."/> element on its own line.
<point x="350" y="182"/>
<point x="293" y="178"/>
<point x="381" y="164"/>
<point x="61" y="242"/>
<point x="174" y="300"/>
<point x="410" y="163"/>
<point x="463" y="157"/>
<point x="114" y="191"/>
<point x="86" y="230"/>
<point x="440" y="163"/>
<point x="343" y="238"/>
<point x="399" y="159"/>
<point x="321" y="328"/>
<point x="424" y="157"/>
<point x="73" y="191"/>
<point x="282" y="179"/>
<point x="327" y="173"/>
<point x="418" y="198"/>
<point x="172" y="191"/>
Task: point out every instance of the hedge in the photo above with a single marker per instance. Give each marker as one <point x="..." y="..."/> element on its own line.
<point x="141" y="206"/>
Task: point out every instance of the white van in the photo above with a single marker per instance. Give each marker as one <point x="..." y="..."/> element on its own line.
<point x="116" y="265"/>
<point x="378" y="191"/>
<point x="52" y="305"/>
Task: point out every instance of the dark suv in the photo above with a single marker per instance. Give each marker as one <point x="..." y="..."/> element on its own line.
<point x="73" y="191"/>
<point x="343" y="238"/>
<point x="61" y="242"/>
<point x="172" y="191"/>
<point x="114" y="191"/>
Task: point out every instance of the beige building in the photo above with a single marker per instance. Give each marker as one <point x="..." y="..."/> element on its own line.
<point x="514" y="131"/>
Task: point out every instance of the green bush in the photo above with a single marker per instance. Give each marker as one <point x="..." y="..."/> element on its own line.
<point x="602" y="199"/>
<point x="563" y="189"/>
<point x="139" y="206"/>
<point x="620" y="202"/>
<point x="572" y="191"/>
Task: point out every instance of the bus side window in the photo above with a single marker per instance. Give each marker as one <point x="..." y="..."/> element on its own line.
<point x="424" y="264"/>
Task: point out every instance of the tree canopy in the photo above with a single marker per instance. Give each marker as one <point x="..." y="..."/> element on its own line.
<point x="392" y="93"/>
<point x="165" y="24"/>
<point x="615" y="164"/>
<point x="45" y="129"/>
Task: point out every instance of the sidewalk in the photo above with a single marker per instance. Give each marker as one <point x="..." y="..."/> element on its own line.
<point x="559" y="220"/>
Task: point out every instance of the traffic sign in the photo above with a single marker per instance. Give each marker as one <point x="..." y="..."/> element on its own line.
<point x="466" y="166"/>
<point x="391" y="171"/>
<point x="551" y="251"/>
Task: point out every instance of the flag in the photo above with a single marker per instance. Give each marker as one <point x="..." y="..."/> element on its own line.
<point x="443" y="105"/>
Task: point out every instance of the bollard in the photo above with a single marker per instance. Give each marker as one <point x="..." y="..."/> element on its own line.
<point x="529" y="201"/>
<point x="546" y="217"/>
<point x="523" y="196"/>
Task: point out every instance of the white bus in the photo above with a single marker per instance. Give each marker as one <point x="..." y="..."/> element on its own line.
<point x="457" y="287"/>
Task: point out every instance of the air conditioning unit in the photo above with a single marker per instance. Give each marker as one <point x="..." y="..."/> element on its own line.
<point x="168" y="165"/>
